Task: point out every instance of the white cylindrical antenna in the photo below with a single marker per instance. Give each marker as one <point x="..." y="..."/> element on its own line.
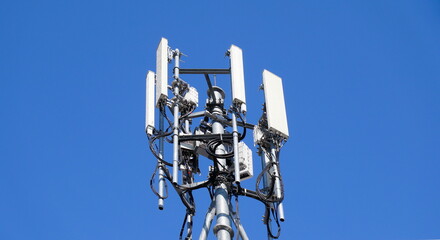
<point x="237" y="76"/>
<point x="162" y="71"/>
<point x="149" y="103"/>
<point x="238" y="99"/>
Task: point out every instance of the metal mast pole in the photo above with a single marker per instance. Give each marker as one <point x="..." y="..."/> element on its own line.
<point x="176" y="117"/>
<point x="208" y="221"/>
<point x="236" y="156"/>
<point x="278" y="189"/>
<point x="222" y="229"/>
<point x="161" y="173"/>
<point x="266" y="179"/>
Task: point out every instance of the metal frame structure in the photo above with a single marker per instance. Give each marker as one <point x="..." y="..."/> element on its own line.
<point x="217" y="138"/>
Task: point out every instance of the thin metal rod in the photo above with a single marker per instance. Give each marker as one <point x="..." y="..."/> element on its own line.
<point x="281" y="211"/>
<point x="187" y="130"/>
<point x="161" y="173"/>
<point x="270" y="226"/>
<point x="239" y="123"/>
<point x="238" y="225"/>
<point x="276" y="172"/>
<point x="176" y="120"/>
<point x="278" y="190"/>
<point x="205" y="113"/>
<point x="241" y="230"/>
<point x="196" y="114"/>
<point x="189" y="223"/>
<point x="208" y="81"/>
<point x="236" y="153"/>
<point x="208" y="221"/>
<point x="264" y="162"/>
<point x="266" y="183"/>
<point x="205" y="71"/>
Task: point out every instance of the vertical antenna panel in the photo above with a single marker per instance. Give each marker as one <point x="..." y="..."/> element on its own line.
<point x="237" y="75"/>
<point x="162" y="70"/>
<point x="149" y="103"/>
<point x="275" y="106"/>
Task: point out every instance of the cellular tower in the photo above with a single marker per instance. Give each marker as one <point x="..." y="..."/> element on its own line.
<point x="214" y="135"/>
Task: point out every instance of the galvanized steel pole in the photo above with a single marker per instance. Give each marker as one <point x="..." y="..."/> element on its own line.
<point x="222" y="228"/>
<point x="161" y="172"/>
<point x="176" y="118"/>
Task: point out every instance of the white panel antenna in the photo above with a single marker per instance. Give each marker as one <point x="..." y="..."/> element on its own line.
<point x="275" y="106"/>
<point x="149" y="103"/>
<point x="162" y="71"/>
<point x="237" y="76"/>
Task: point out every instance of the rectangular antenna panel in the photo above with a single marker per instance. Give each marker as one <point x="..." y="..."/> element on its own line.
<point x="237" y="75"/>
<point x="275" y="106"/>
<point x="162" y="70"/>
<point x="149" y="103"/>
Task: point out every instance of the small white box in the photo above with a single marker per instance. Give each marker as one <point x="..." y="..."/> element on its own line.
<point x="258" y="135"/>
<point x="245" y="160"/>
<point x="192" y="96"/>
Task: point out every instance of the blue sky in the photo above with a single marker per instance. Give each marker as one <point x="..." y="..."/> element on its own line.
<point x="362" y="84"/>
